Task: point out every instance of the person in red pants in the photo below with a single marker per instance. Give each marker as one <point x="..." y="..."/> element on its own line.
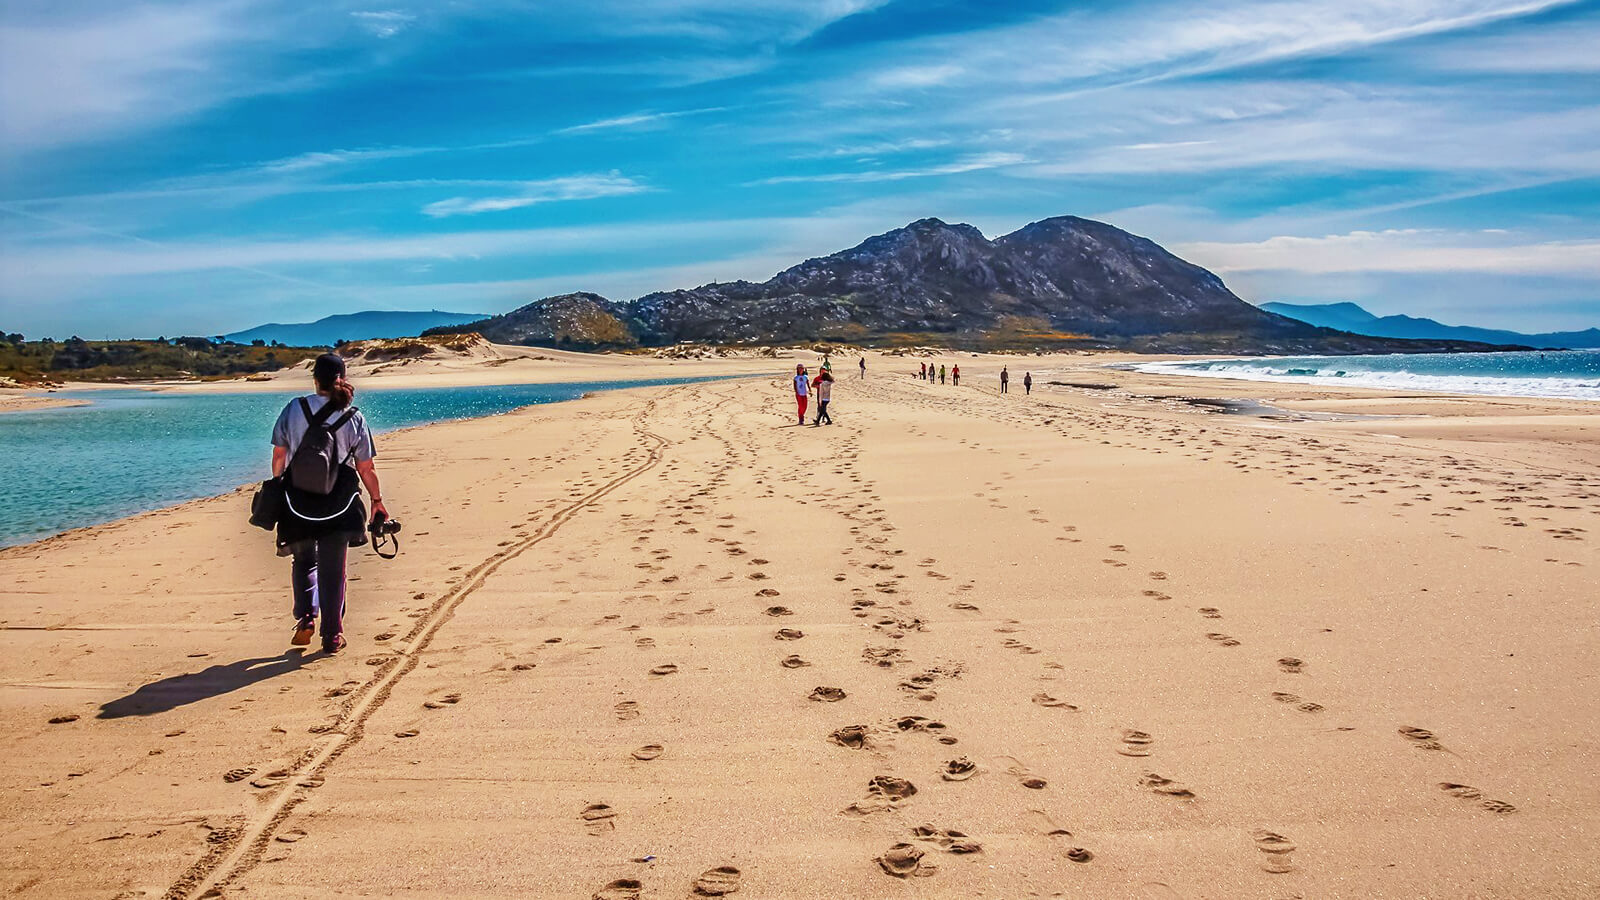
<point x="802" y="391"/>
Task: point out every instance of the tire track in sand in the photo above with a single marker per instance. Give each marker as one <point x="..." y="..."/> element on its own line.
<point x="226" y="860"/>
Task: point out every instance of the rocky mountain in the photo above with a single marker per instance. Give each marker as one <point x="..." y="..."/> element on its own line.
<point x="359" y="326"/>
<point x="580" y="321"/>
<point x="1059" y="282"/>
<point x="1351" y="317"/>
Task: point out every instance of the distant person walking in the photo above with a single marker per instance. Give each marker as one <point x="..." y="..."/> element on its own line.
<point x="823" y="385"/>
<point x="1005" y="379"/>
<point x="827" y="364"/>
<point x="802" y="391"/>
<point x="863" y="367"/>
<point x="324" y="445"/>
<point x="941" y="373"/>
<point x="1027" y="383"/>
<point x="955" y="375"/>
<point x="922" y="372"/>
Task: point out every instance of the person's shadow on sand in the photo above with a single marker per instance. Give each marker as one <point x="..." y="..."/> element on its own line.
<point x="181" y="690"/>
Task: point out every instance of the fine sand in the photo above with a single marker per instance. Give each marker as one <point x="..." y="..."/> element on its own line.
<point x="1097" y="642"/>
<point x="20" y="401"/>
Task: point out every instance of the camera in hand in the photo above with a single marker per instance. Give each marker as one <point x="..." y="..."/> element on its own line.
<point x="383" y="530"/>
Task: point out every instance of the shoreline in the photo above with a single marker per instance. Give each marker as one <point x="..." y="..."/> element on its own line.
<point x="599" y="388"/>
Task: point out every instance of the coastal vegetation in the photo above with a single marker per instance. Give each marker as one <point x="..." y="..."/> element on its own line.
<point x="75" y="359"/>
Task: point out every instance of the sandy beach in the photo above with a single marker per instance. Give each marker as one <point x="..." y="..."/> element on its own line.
<point x="1100" y="641"/>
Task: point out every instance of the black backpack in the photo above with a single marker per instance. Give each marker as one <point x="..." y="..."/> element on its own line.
<point x="315" y="466"/>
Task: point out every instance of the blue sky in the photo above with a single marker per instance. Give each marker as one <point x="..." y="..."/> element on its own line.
<point x="202" y="167"/>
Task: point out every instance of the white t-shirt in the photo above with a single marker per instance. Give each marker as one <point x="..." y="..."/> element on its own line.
<point x="824" y="390"/>
<point x="801" y="386"/>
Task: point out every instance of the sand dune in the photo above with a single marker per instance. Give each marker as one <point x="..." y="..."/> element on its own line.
<point x="1097" y="642"/>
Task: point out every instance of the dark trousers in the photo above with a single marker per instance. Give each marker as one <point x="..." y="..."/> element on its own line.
<point x="822" y="413"/>
<point x="1002" y="387"/>
<point x="318" y="579"/>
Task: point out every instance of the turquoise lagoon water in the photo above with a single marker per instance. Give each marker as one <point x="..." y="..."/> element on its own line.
<point x="132" y="450"/>
<point x="1570" y="374"/>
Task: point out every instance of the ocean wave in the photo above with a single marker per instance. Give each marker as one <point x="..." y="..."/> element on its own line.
<point x="1330" y="371"/>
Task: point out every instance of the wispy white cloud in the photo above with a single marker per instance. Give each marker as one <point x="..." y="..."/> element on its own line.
<point x="965" y="164"/>
<point x="577" y="187"/>
<point x="65" y="80"/>
<point x="384" y="23"/>
<point x="637" y="120"/>
<point x="1400" y="250"/>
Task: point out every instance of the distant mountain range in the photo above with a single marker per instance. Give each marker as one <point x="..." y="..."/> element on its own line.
<point x="352" y="327"/>
<point x="1352" y="318"/>
<point x="1059" y="282"/>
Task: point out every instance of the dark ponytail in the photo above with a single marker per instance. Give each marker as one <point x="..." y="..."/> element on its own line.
<point x="340" y="393"/>
<point x="328" y="373"/>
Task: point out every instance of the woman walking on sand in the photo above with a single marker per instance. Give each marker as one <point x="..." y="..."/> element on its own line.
<point x="955" y="375"/>
<point x="922" y="372"/>
<point x="801" y="391"/>
<point x="1027" y="383"/>
<point x="823" y="385"/>
<point x="324" y="445"/>
<point x="1005" y="379"/>
<point x="941" y="373"/>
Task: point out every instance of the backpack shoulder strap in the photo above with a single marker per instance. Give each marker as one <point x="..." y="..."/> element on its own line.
<point x="343" y="420"/>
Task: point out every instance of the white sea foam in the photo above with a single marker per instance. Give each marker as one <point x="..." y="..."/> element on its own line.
<point x="1340" y="370"/>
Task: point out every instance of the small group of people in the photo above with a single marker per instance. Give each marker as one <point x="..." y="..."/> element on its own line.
<point x="1005" y="382"/>
<point x="928" y="373"/>
<point x="821" y="385"/>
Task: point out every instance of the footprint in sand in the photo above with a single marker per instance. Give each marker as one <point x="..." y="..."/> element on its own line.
<point x="855" y="737"/>
<point x="1421" y="738"/>
<point x="1157" y="595"/>
<point x="627" y="709"/>
<point x="647" y="752"/>
<point x="621" y="889"/>
<point x="1292" y="665"/>
<point x="1050" y="702"/>
<point x="1159" y="576"/>
<point x="235" y="775"/>
<point x="904" y="861"/>
<point x="343" y="689"/>
<point x="1210" y="612"/>
<point x="1135" y="743"/>
<point x="716" y="882"/>
<point x="947" y="839"/>
<point x="966" y="607"/>
<point x="883" y="792"/>
<point x="1468" y="792"/>
<point x="793" y="662"/>
<point x="767" y="592"/>
<point x="1165" y="786"/>
<point x="598" y="818"/>
<point x="1277" y="849"/>
<point x="1302" y="705"/>
<point x="779" y="611"/>
<point x="1025" y="777"/>
<point x="1222" y="639"/>
<point x="827" y="694"/>
<point x="644" y="643"/>
<point x="442" y="702"/>
<point x="664" y="669"/>
<point x="1059" y="835"/>
<point x="959" y="769"/>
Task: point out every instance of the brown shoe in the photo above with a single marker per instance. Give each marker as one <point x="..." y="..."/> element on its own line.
<point x="335" y="645"/>
<point x="303" y="630"/>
